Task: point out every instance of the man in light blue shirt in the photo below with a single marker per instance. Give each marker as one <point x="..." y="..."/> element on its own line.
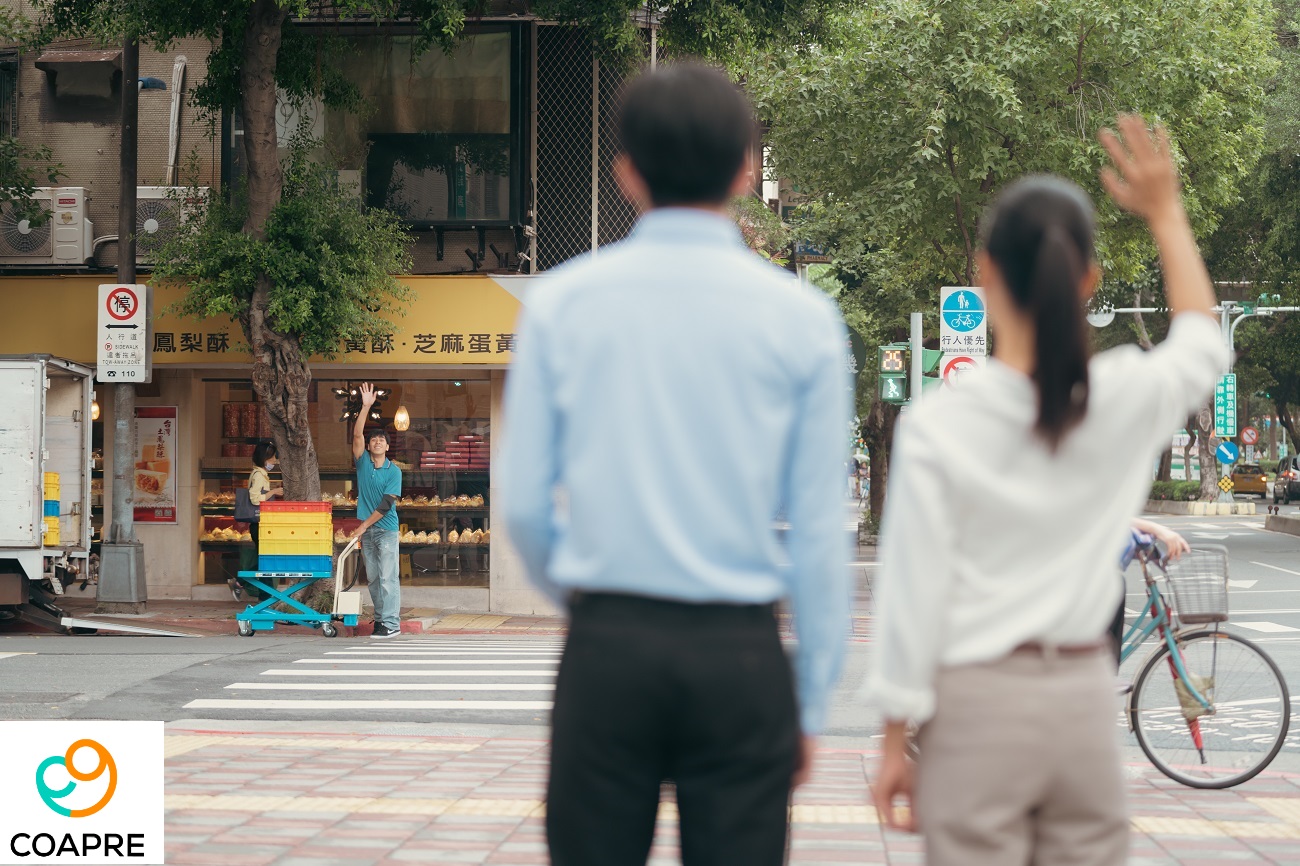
<point x="668" y="399"/>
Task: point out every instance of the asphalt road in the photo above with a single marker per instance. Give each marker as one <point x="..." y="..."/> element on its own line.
<point x="492" y="680"/>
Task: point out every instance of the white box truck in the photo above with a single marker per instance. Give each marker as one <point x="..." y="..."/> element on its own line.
<point x="45" y="426"/>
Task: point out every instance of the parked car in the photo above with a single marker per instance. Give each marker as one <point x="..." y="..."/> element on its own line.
<point x="1286" y="482"/>
<point x="1250" y="478"/>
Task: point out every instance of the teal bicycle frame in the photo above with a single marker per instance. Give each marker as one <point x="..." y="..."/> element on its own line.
<point x="1155" y="617"/>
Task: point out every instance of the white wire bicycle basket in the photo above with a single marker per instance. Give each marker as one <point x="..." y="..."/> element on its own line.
<point x="1199" y="580"/>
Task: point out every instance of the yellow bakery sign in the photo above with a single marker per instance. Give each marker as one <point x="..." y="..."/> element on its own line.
<point x="457" y="320"/>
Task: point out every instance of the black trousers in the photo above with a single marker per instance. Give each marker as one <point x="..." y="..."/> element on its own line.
<point x="651" y="691"/>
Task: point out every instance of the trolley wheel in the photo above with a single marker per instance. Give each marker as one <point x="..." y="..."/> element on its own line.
<point x="1249" y="722"/>
<point x="329" y="629"/>
<point x="245" y="628"/>
<point x="78" y="630"/>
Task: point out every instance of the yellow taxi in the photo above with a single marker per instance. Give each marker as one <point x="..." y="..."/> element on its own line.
<point x="1249" y="478"/>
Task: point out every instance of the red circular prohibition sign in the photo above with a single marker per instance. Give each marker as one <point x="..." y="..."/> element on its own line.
<point x="114" y="296"/>
<point x="956" y="366"/>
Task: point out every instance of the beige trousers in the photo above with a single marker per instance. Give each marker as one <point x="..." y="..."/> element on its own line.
<point x="1020" y="765"/>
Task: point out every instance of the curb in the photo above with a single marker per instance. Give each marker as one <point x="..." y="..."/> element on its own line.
<point x="228" y="626"/>
<point x="1282" y="523"/>
<point x="1199" y="509"/>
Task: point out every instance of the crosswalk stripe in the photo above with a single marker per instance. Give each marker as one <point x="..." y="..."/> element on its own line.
<point x="393" y="661"/>
<point x="523" y="643"/>
<point x="440" y="653"/>
<point x="11" y="655"/>
<point x="1265" y="626"/>
<point x="1276" y="568"/>
<point x="287" y="704"/>
<point x="361" y="672"/>
<point x="398" y="687"/>
<point x="397" y="652"/>
<point x="454" y="674"/>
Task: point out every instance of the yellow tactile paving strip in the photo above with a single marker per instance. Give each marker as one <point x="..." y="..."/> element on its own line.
<point x="180" y="744"/>
<point x="1160" y="826"/>
<point x="470" y="620"/>
<point x="1285" y="808"/>
<point x="801" y="814"/>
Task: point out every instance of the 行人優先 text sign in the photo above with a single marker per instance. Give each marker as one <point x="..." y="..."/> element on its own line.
<point x="963" y="323"/>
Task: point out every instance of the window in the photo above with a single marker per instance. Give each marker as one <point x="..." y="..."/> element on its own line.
<point x="8" y="95"/>
<point x="438" y="137"/>
<point x="440" y="132"/>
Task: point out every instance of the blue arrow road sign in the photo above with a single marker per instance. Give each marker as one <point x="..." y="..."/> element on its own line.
<point x="963" y="311"/>
<point x="1227" y="452"/>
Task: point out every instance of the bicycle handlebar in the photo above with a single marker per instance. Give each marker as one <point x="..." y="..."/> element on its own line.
<point x="1144" y="547"/>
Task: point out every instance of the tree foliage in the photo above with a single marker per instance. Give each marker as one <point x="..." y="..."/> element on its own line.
<point x="908" y="117"/>
<point x="23" y="167"/>
<point x="1257" y="244"/>
<point x="331" y="261"/>
<point x="901" y="122"/>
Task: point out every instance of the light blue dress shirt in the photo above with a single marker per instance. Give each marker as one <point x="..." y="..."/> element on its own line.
<point x="667" y="400"/>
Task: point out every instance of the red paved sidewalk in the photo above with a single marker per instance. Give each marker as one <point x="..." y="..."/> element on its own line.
<point x="218" y="617"/>
<point x="246" y="799"/>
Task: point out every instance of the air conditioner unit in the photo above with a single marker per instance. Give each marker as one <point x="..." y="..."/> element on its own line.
<point x="159" y="211"/>
<point x="63" y="239"/>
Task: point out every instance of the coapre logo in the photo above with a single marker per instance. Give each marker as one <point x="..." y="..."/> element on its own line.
<point x="104" y="764"/>
<point x="82" y="792"/>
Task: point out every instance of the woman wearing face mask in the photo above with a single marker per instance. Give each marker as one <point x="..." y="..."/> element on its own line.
<point x="259" y="490"/>
<point x="1010" y="500"/>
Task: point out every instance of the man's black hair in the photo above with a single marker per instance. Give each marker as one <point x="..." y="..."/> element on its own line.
<point x="377" y="431"/>
<point x="687" y="129"/>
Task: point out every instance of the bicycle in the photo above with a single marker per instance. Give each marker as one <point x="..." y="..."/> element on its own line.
<point x="1209" y="709"/>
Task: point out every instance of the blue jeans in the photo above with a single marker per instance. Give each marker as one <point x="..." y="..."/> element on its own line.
<point x="379" y="550"/>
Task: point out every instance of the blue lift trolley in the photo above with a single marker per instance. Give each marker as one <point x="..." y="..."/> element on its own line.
<point x="260" y="616"/>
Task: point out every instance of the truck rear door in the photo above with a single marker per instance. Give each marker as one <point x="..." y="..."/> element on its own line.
<point x="22" y="393"/>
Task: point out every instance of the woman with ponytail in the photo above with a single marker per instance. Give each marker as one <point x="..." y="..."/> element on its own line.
<point x="1010" y="499"/>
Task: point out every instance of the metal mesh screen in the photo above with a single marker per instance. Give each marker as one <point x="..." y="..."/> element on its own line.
<point x="578" y="204"/>
<point x="564" y="103"/>
<point x="616" y="215"/>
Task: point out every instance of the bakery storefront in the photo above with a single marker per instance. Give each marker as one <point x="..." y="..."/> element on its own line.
<point x="441" y="374"/>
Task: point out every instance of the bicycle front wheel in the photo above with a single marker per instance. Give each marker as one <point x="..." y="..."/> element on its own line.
<point x="1245" y="727"/>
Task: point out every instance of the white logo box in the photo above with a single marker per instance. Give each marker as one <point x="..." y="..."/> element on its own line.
<point x="127" y="828"/>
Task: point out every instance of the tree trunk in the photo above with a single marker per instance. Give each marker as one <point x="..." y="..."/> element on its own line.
<point x="878" y="433"/>
<point x="1209" y="463"/>
<point x="1284" y="418"/>
<point x="281" y="377"/>
<point x="1193" y="435"/>
<point x="1166" y="471"/>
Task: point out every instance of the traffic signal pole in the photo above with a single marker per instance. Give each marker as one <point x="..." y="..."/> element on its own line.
<point x="917" y="369"/>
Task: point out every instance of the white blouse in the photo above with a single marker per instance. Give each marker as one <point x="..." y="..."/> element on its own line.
<point x="990" y="540"/>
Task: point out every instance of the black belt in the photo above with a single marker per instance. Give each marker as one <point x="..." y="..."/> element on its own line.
<point x="643" y="607"/>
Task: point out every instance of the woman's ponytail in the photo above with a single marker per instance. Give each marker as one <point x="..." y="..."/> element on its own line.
<point x="1061" y="354"/>
<point x="1040" y="235"/>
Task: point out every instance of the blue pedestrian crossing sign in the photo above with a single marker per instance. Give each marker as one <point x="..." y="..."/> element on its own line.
<point x="1227" y="452"/>
<point x="963" y="311"/>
